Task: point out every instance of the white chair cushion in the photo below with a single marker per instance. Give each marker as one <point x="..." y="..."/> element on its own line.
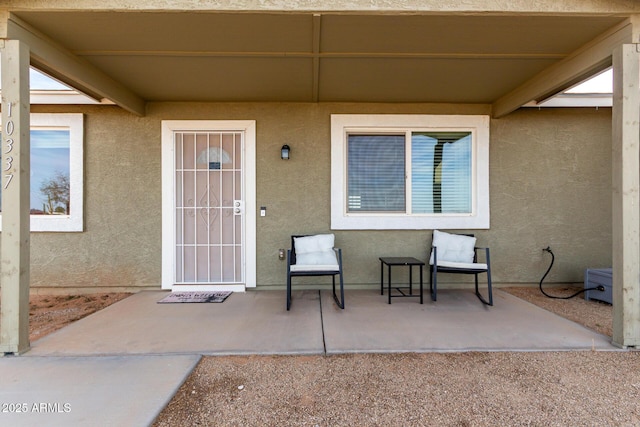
<point x="317" y="243"/>
<point x="299" y="268"/>
<point x="326" y="257"/>
<point x="453" y="247"/>
<point x="463" y="265"/>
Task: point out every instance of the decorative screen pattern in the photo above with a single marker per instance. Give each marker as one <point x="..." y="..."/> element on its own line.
<point x="209" y="207"/>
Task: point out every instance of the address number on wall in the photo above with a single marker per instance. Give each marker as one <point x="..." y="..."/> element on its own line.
<point x="8" y="161"/>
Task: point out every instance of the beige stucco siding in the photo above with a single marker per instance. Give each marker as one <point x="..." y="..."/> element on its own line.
<point x="550" y="186"/>
<point x="120" y="244"/>
<point x="550" y="174"/>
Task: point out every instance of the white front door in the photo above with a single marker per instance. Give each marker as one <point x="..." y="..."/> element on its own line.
<point x="208" y="170"/>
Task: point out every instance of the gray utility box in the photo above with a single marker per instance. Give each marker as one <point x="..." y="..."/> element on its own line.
<point x="598" y="277"/>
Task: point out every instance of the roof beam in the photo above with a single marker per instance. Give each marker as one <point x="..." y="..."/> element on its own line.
<point x="316" y="59"/>
<point x="590" y="59"/>
<point x="63" y="65"/>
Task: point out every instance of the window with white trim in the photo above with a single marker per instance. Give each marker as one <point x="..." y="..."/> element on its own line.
<point x="409" y="172"/>
<point x="56" y="172"/>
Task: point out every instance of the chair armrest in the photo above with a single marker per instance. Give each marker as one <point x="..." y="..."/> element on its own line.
<point x="288" y="259"/>
<point x="338" y="252"/>
<point x="486" y="252"/>
<point x="433" y="254"/>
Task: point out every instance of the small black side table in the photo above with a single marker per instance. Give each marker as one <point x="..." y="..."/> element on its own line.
<point x="407" y="261"/>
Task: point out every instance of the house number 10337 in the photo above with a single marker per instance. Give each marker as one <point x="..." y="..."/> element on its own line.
<point x="8" y="161"/>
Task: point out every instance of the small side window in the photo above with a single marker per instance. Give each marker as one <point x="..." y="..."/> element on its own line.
<point x="56" y="156"/>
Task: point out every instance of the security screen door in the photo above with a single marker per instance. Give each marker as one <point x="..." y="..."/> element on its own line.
<point x="209" y="207"/>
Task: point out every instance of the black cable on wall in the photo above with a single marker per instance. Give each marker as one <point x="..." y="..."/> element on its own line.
<point x="597" y="288"/>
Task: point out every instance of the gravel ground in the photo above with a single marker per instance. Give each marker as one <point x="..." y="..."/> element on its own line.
<point x="48" y="313"/>
<point x="440" y="389"/>
<point x="592" y="314"/>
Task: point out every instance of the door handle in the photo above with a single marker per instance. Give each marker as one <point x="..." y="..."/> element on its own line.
<point x="237" y="207"/>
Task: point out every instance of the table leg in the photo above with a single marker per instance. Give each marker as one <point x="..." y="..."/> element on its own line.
<point x="389" y="284"/>
<point x="381" y="278"/>
<point x="420" y="267"/>
<point x="411" y="280"/>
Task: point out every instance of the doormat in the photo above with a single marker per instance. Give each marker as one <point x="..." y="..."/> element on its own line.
<point x="176" y="297"/>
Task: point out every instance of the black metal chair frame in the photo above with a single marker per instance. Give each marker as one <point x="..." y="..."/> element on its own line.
<point x="291" y="260"/>
<point x="434" y="269"/>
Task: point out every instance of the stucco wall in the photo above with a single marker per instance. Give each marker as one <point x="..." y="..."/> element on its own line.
<point x="550" y="186"/>
<point x="121" y="241"/>
<point x="550" y="174"/>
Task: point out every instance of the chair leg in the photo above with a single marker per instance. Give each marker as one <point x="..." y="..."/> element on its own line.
<point x="490" y="292"/>
<point x="340" y="301"/>
<point x="489" y="289"/>
<point x="433" y="283"/>
<point x="288" y="292"/>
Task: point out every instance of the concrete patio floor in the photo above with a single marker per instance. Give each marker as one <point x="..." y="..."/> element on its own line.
<point x="257" y="323"/>
<point x="122" y="365"/>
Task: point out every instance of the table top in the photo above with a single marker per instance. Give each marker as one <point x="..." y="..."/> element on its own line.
<point x="393" y="260"/>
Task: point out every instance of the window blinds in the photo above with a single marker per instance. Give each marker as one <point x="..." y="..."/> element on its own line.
<point x="440" y="165"/>
<point x="441" y="172"/>
<point x="376" y="173"/>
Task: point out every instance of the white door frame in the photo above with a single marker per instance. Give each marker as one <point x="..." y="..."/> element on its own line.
<point x="248" y="127"/>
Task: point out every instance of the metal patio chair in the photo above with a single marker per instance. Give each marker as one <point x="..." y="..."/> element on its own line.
<point x="315" y="255"/>
<point x="457" y="253"/>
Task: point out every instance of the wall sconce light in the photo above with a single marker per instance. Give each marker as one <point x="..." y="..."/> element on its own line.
<point x="284" y="152"/>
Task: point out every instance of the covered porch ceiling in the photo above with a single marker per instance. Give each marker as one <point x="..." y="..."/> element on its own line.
<point x="136" y="57"/>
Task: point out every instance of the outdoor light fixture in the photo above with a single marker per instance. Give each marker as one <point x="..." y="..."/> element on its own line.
<point x="284" y="152"/>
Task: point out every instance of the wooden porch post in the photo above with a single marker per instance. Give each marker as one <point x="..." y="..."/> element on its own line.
<point x="14" y="249"/>
<point x="626" y="197"/>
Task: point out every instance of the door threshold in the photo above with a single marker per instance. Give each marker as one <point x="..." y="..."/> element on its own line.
<point x="207" y="288"/>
